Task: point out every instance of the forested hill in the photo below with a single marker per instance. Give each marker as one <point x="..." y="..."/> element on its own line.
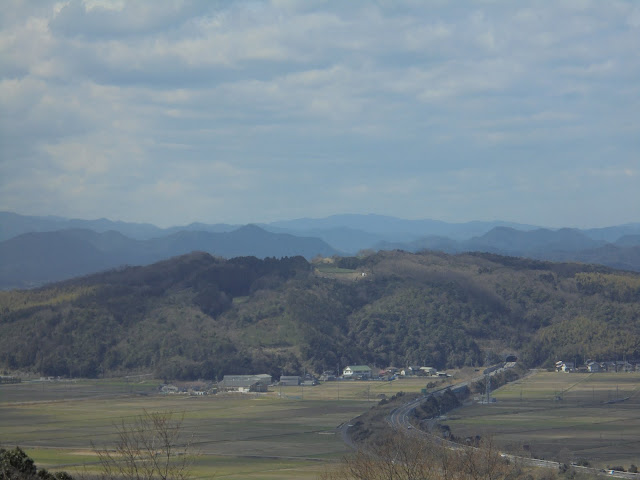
<point x="197" y="316"/>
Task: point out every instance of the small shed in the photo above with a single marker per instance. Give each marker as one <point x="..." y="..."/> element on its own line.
<point x="428" y="371"/>
<point x="242" y="383"/>
<point x="290" y="381"/>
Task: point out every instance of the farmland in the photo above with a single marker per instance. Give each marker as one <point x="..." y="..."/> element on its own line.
<point x="291" y="432"/>
<point x="566" y="417"/>
<point x="287" y="433"/>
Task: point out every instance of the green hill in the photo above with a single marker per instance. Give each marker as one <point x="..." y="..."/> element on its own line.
<point x="199" y="316"/>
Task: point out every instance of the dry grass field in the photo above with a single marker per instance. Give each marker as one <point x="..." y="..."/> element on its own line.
<point x="562" y="416"/>
<point x="288" y="433"/>
<point x="291" y="432"/>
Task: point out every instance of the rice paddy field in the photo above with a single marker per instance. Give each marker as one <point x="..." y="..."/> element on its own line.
<point x="562" y="416"/>
<point x="290" y="432"/>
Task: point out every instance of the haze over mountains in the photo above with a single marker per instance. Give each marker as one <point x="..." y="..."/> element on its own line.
<point x="37" y="250"/>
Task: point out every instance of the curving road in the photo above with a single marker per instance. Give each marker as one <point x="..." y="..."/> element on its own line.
<point x="400" y="418"/>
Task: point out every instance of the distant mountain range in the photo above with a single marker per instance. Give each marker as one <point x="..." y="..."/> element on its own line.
<point x="38" y="250"/>
<point x="35" y="258"/>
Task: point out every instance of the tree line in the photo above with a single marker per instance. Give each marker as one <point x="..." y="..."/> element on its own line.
<point x="198" y="316"/>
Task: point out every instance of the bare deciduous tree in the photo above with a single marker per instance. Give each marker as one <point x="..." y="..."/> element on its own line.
<point x="404" y="456"/>
<point x="151" y="447"/>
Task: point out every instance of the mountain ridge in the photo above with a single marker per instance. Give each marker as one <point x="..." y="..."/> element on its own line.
<point x="35" y="258"/>
<point x="199" y="316"/>
<point x="341" y="235"/>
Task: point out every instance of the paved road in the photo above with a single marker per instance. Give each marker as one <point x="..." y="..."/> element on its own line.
<point x="400" y="418"/>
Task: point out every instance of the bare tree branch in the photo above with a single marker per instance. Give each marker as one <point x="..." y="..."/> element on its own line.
<point x="151" y="447"/>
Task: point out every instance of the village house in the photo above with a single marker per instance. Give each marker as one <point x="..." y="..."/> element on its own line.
<point x="624" y="366"/>
<point x="565" y="366"/>
<point x="169" y="389"/>
<point x="245" y="383"/>
<point x="593" y="367"/>
<point x="357" y="371"/>
<point x="410" y="371"/>
<point x="10" y="379"/>
<point x="327" y="376"/>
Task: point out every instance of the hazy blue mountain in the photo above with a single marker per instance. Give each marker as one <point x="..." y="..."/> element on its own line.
<point x="346" y="233"/>
<point x="12" y="225"/>
<point x="612" y="234"/>
<point x="249" y="240"/>
<point x="621" y="258"/>
<point x="568" y="245"/>
<point x="138" y="231"/>
<point x="504" y="240"/>
<point x="202" y="227"/>
<point x="628" y="241"/>
<point x="104" y="243"/>
<point x="372" y="223"/>
<point x="346" y="240"/>
<point x="32" y="259"/>
<point x="397" y="229"/>
<point x="516" y="242"/>
<point x="36" y="258"/>
<point x="432" y="242"/>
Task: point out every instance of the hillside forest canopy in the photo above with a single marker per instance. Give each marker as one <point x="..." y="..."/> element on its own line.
<point x="198" y="316"/>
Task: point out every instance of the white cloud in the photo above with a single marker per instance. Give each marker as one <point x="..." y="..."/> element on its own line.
<point x="246" y="105"/>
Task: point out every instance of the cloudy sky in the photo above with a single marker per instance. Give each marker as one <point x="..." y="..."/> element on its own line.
<point x="253" y="111"/>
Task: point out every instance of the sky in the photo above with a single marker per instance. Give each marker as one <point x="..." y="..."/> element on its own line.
<point x="171" y="112"/>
